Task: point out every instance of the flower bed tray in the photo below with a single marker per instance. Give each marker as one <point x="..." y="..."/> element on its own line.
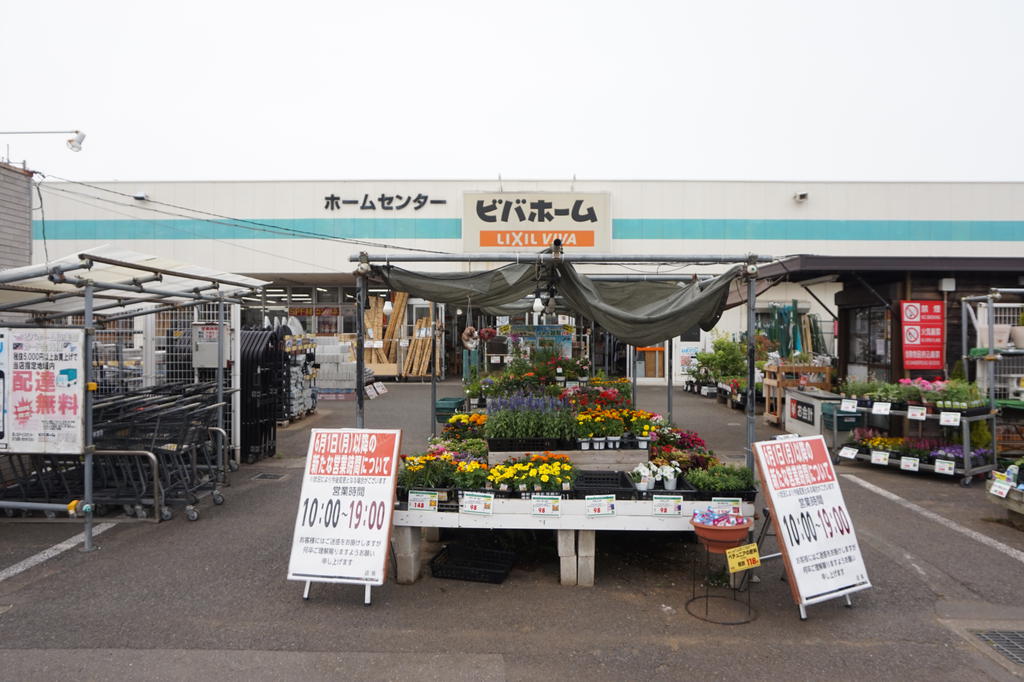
<point x="683" y="487"/>
<point x="459" y="562"/>
<point x="604" y="483"/>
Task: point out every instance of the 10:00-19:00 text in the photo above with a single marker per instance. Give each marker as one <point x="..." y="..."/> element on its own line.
<point x="328" y="514"/>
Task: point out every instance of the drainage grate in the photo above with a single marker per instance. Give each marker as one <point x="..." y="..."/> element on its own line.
<point x="267" y="477"/>
<point x="1009" y="643"/>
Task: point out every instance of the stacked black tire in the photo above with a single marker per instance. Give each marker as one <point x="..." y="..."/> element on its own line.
<point x="263" y="364"/>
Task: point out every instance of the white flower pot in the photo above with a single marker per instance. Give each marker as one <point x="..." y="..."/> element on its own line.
<point x="584" y="443"/>
<point x="642" y="484"/>
<point x="613" y="442"/>
<point x="670" y="483"/>
<point x="598" y="443"/>
<point x="642" y="442"/>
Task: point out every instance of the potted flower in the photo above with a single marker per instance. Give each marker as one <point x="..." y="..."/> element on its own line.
<point x="471" y="475"/>
<point x="584" y="429"/>
<point x="429" y="472"/>
<point x="643" y="475"/>
<point x="667" y="471"/>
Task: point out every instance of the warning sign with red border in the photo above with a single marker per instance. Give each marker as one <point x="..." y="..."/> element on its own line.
<point x="924" y="334"/>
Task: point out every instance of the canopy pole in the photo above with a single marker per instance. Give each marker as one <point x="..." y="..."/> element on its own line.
<point x="671" y="344"/>
<point x="360" y="346"/>
<point x="751" y="355"/>
<point x="433" y="367"/>
<point x="87" y="492"/>
<point x="631" y="350"/>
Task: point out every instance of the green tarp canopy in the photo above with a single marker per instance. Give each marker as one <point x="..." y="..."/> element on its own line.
<point x="639" y="313"/>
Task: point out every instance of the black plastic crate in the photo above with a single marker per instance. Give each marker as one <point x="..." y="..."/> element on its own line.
<point x="604" y="483"/>
<point x="683" y="487"/>
<point x="460" y="562"/>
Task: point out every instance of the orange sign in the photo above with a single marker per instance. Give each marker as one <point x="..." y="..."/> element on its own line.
<point x="536" y="238"/>
<point x="352" y="453"/>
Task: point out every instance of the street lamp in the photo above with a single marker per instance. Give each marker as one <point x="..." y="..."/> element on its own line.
<point x="74" y="143"/>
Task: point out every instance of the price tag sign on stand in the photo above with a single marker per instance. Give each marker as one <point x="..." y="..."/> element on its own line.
<point x="917" y="412"/>
<point x="812" y="524"/>
<point x="945" y="466"/>
<point x="727" y="505"/>
<point x="343" y="525"/>
<point x="477" y="503"/>
<point x="1000" y="488"/>
<point x="668" y="505"/>
<point x="743" y="558"/>
<point x="880" y="457"/>
<point x="949" y="419"/>
<point x="546" y="505"/>
<point x="423" y="500"/>
<point x="848" y="453"/>
<point x="848" y="405"/>
<point x="600" y="505"/>
<point x="881" y="408"/>
<point x="910" y="463"/>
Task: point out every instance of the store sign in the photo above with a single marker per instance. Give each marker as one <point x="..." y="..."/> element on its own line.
<point x="816" y="535"/>
<point x="529" y="221"/>
<point x="924" y="334"/>
<point x="42" y="381"/>
<point x="801" y="411"/>
<point x="310" y="311"/>
<point x="343" y="525"/>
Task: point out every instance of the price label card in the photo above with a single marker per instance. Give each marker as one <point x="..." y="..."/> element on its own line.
<point x="881" y="408"/>
<point x="404" y="343"/>
<point x="668" y="505"/>
<point x="848" y="405"/>
<point x="727" y="505"/>
<point x="600" y="505"/>
<point x="1000" y="488"/>
<point x="381" y="388"/>
<point x="743" y="558"/>
<point x="879" y="457"/>
<point x="546" y="505"/>
<point x="423" y="500"/>
<point x="910" y="463"/>
<point x="949" y="418"/>
<point x="477" y="503"/>
<point x="916" y="412"/>
<point x="848" y="453"/>
<point x="945" y="466"/>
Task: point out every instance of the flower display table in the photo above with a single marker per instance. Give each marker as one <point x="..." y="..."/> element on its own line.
<point x="575" y="529"/>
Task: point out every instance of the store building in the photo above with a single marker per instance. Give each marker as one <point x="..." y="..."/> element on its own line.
<point x="300" y="234"/>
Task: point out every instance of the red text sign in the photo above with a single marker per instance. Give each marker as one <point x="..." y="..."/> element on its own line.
<point x="924" y="334"/>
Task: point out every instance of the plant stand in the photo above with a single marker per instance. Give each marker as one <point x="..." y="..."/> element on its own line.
<point x="731" y="606"/>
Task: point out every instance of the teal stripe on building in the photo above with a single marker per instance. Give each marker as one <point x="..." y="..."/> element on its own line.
<point x="817" y="230"/>
<point x="301" y="228"/>
<point x="625" y="228"/>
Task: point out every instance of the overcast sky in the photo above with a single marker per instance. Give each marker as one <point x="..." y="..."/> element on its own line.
<point x="762" y="90"/>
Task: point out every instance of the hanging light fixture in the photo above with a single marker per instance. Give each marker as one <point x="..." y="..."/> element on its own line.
<point x="388" y="308"/>
<point x="538" y="305"/>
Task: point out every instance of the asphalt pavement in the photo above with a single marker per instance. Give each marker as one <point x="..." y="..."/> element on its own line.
<point x="178" y="599"/>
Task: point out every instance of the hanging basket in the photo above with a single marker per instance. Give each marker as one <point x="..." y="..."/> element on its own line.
<point x="718" y="539"/>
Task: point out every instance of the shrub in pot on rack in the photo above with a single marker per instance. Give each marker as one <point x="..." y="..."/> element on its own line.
<point x="859" y="390"/>
<point x="639" y="425"/>
<point x="723" y="480"/>
<point x="955" y="394"/>
<point x="534" y="473"/>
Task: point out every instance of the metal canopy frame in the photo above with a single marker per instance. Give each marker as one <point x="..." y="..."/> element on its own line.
<point x="556" y="255"/>
<point x="47" y="293"/>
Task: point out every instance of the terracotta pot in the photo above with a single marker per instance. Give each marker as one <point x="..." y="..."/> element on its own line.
<point x="718" y="539"/>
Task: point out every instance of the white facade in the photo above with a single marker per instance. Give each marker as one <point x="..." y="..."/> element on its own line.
<point x="306" y="231"/>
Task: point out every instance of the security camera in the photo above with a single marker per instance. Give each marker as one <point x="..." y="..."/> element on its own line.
<point x="751" y="269"/>
<point x="363" y="268"/>
<point x="800" y="197"/>
<point x="140" y="196"/>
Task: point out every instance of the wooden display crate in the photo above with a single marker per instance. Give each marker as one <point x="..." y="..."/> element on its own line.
<point x="777" y="378"/>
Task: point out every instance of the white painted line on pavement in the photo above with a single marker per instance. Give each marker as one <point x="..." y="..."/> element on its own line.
<point x="952" y="525"/>
<point x="59" y="548"/>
